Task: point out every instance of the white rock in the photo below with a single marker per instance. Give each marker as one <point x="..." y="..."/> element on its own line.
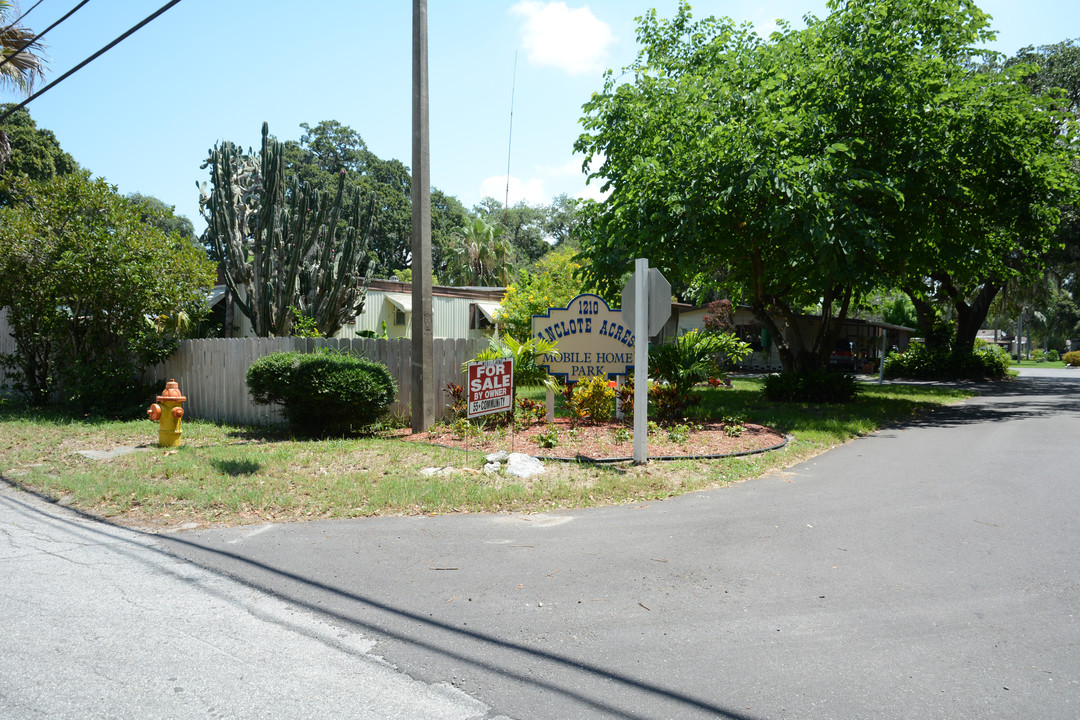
<point x="523" y="466"/>
<point x="492" y="468"/>
<point x="428" y="472"/>
<point x="498" y="457"/>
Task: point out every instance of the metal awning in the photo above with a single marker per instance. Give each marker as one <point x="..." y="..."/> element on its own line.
<point x="214" y="295"/>
<point x="401" y="301"/>
<point x="488" y="309"/>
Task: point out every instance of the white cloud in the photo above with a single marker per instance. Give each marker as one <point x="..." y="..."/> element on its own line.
<point x="531" y="190"/>
<point x="570" y="169"/>
<point x="592" y="192"/>
<point x="569" y="39"/>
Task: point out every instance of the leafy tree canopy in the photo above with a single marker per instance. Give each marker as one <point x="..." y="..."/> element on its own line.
<point x="554" y="282"/>
<point x="34" y="152"/>
<point x="162" y="216"/>
<point x="329" y="147"/>
<point x="94" y="292"/>
<point x="807" y="168"/>
<point x="522" y="225"/>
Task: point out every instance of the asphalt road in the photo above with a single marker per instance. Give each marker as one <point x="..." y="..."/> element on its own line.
<point x="95" y="622"/>
<point x="927" y="571"/>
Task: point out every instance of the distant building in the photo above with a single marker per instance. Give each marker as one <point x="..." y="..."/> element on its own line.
<point x="862" y="339"/>
<point x="457" y="312"/>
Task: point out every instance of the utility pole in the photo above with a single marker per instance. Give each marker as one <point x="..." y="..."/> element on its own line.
<point x="423" y="383"/>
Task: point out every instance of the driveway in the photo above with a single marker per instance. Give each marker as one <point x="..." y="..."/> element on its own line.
<point x="926" y="571"/>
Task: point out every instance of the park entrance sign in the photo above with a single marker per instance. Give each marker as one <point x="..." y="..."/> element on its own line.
<point x="592" y="340"/>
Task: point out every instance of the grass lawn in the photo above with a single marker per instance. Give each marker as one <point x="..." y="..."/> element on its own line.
<point x="1059" y="364"/>
<point x="238" y="475"/>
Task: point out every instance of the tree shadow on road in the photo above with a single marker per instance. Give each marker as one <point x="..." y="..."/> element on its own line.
<point x="1023" y="398"/>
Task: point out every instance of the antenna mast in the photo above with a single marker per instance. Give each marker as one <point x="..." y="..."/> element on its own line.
<point x="510" y="142"/>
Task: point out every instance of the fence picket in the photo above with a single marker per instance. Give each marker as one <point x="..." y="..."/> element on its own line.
<point x="212" y="373"/>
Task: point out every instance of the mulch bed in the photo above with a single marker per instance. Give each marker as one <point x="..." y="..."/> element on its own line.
<point x="601" y="442"/>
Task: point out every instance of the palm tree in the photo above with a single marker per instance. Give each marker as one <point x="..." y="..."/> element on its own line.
<point x="21" y="71"/>
<point x="479" y="255"/>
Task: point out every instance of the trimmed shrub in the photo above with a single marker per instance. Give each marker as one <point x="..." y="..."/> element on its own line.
<point x="919" y="362"/>
<point x="1072" y="358"/>
<point x="814" y="386"/>
<point x="325" y="393"/>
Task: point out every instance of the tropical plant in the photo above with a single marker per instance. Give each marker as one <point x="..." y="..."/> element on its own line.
<point x="478" y="255"/>
<point x="591" y="399"/>
<point x="24" y="64"/>
<point x="286" y="247"/>
<point x="690" y="359"/>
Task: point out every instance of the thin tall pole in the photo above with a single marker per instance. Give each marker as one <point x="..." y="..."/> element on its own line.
<point x="423" y="384"/>
<point x="510" y="141"/>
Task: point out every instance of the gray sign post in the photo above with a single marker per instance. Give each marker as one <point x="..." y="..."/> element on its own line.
<point x="646" y="306"/>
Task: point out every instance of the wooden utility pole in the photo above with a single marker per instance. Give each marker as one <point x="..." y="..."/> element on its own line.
<point x="423" y="383"/>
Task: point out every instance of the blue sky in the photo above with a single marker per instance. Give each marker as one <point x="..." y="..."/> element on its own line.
<point x="145" y="115"/>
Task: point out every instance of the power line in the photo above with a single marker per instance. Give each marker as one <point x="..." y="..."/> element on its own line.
<point x="16" y="20"/>
<point x="89" y="60"/>
<point x="40" y="35"/>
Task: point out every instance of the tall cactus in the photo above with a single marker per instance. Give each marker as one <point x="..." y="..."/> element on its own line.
<point x="286" y="247"/>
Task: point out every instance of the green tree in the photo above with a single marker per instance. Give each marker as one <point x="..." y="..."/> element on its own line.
<point x="522" y="225"/>
<point x="91" y="289"/>
<point x="806" y="167"/>
<point x="898" y="310"/>
<point x="479" y="255"/>
<point x="554" y="282"/>
<point x="329" y="147"/>
<point x="34" y="153"/>
<point x="990" y="204"/>
<point x="562" y="221"/>
<point x="162" y="216"/>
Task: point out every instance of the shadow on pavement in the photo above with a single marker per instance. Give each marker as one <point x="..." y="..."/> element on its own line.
<point x="468" y="647"/>
<point x="1028" y="397"/>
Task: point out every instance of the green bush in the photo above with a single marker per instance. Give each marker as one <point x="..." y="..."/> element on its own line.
<point x="920" y="362"/>
<point x="592" y="399"/>
<point x="690" y="359"/>
<point x="1072" y="358"/>
<point x="325" y="393"/>
<point x="1052" y="356"/>
<point x="814" y="386"/>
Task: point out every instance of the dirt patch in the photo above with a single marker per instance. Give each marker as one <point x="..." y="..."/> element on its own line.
<point x="607" y="441"/>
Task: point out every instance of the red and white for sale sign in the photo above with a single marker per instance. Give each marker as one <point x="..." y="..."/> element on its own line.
<point x="491" y="387"/>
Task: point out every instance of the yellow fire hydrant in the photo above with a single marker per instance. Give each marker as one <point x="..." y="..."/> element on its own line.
<point x="169" y="416"/>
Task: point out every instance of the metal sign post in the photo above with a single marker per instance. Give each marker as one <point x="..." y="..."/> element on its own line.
<point x="646" y="306"/>
<point x="641" y="361"/>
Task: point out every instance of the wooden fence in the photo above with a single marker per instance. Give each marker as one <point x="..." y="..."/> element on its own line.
<point x="212" y="373"/>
